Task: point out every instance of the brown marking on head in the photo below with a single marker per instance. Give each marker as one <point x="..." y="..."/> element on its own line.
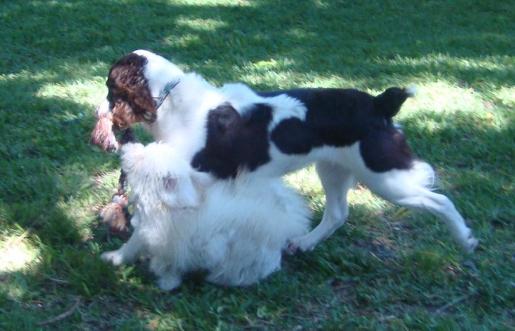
<point x="129" y="96"/>
<point x="129" y="101"/>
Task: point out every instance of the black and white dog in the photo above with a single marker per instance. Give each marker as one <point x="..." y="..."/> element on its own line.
<point x="235" y="131"/>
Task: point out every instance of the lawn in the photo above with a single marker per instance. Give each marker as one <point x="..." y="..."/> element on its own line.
<point x="387" y="269"/>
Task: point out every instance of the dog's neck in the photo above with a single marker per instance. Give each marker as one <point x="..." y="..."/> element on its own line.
<point x="181" y="119"/>
<point x="165" y="92"/>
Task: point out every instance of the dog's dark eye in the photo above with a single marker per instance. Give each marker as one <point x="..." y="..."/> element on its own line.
<point x="115" y="97"/>
<point x="118" y="94"/>
<point x="114" y="94"/>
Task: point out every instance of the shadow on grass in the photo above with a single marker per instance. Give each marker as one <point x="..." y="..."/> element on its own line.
<point x="46" y="164"/>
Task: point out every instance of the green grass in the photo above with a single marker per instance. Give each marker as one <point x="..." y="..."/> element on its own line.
<point x="386" y="269"/>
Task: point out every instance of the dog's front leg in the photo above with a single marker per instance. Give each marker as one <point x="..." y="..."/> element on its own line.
<point x="127" y="253"/>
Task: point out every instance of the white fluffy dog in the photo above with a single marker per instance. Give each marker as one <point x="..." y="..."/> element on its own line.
<point x="184" y="221"/>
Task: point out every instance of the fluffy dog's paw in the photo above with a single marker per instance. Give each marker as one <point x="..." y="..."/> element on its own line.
<point x="301" y="244"/>
<point x="169" y="283"/>
<point x="113" y="257"/>
<point x="291" y="248"/>
<point x="470" y="244"/>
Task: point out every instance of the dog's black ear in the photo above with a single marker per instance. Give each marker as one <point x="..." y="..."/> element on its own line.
<point x="223" y="118"/>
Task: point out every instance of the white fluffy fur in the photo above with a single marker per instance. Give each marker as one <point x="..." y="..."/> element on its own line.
<point x="236" y="230"/>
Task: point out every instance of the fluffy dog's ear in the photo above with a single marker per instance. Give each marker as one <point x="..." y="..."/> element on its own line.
<point x="185" y="192"/>
<point x="179" y="192"/>
<point x="132" y="155"/>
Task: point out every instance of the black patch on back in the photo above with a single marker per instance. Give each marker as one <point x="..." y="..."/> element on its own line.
<point x="293" y="136"/>
<point x="335" y="117"/>
<point x="339" y="118"/>
<point x="234" y="141"/>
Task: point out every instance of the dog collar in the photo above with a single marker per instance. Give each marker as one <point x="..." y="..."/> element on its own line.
<point x="165" y="92"/>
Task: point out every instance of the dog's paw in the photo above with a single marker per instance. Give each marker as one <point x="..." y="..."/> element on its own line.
<point x="113" y="257"/>
<point x="169" y="283"/>
<point x="291" y="248"/>
<point x="470" y="244"/>
<point x="300" y="244"/>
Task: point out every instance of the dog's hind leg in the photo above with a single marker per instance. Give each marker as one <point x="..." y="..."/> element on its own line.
<point x="168" y="278"/>
<point x="336" y="182"/>
<point x="169" y="282"/>
<point x="409" y="188"/>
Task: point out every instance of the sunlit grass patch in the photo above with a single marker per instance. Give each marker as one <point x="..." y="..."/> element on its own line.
<point x="438" y="60"/>
<point x="443" y="97"/>
<point x="17" y="252"/>
<point x="305" y="181"/>
<point x="89" y="92"/>
<point x="506" y="96"/>
<point x="200" y="24"/>
<point x="181" y="41"/>
<point x="280" y="73"/>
